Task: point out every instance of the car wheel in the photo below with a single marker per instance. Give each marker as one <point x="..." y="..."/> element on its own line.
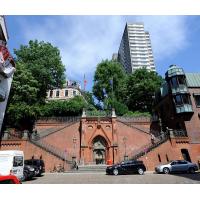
<point x="191" y="170"/>
<point x="25" y="176"/>
<point x="115" y="172"/>
<point x="140" y="171"/>
<point x="166" y="170"/>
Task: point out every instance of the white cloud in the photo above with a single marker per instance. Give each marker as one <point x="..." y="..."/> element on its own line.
<point x="85" y="40"/>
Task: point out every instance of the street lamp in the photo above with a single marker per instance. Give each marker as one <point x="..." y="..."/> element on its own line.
<point x="74" y="145"/>
<point x="124" y="140"/>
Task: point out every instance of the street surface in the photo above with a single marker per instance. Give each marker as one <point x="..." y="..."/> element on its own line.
<point x="102" y="178"/>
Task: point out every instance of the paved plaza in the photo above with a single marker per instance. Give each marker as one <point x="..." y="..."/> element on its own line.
<point x="102" y="178"/>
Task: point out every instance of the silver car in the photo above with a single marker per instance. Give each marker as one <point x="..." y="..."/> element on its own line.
<point x="177" y="166"/>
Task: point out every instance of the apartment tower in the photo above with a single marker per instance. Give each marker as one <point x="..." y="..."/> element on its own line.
<point x="135" y="49"/>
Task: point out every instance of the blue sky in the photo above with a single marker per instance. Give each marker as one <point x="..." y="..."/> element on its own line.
<point x="86" y="40"/>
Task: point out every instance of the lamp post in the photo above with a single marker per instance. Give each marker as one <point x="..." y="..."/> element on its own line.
<point x="74" y="146"/>
<point x="124" y="140"/>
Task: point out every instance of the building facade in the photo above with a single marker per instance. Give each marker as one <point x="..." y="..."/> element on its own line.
<point x="177" y="108"/>
<point x="95" y="140"/>
<point x="69" y="91"/>
<point x="135" y="49"/>
<point x="7" y="68"/>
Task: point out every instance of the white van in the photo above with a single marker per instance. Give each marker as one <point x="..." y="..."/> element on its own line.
<point x="12" y="162"/>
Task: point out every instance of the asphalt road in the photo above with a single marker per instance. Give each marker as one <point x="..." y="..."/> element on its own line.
<point x="102" y="178"/>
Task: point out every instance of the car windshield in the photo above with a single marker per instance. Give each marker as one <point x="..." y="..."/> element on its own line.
<point x="18" y="161"/>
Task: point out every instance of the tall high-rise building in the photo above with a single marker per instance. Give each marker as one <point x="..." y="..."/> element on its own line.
<point x="135" y="49"/>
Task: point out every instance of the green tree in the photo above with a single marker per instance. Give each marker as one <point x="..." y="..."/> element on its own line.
<point x="109" y="81"/>
<point x="44" y="63"/>
<point x="140" y="89"/>
<point x="72" y="107"/>
<point x="38" y="69"/>
<point x="22" y="105"/>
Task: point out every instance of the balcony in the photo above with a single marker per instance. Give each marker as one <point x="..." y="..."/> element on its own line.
<point x="180" y="133"/>
<point x="179" y="89"/>
<point x="184" y="108"/>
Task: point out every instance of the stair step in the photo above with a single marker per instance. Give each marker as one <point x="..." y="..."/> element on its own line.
<point x="90" y="168"/>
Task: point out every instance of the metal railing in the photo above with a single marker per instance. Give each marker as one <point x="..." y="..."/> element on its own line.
<point x="53" y="150"/>
<point x="98" y="113"/>
<point x="49" y="131"/>
<point x="148" y="147"/>
<point x="180" y="133"/>
<point x="147" y="131"/>
<point x="134" y="119"/>
<point x="59" y="119"/>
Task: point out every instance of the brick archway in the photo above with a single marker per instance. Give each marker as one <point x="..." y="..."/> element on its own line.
<point x="99" y="150"/>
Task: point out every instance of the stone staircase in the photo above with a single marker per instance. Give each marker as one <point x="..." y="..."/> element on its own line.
<point x="49" y="131"/>
<point x="148" y="147"/>
<point x="134" y="126"/>
<point x="52" y="150"/>
<point x="90" y="169"/>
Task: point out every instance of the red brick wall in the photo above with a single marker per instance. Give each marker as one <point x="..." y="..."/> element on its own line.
<point x="63" y="140"/>
<point x="30" y="150"/>
<point x="173" y="152"/>
<point x="135" y="139"/>
<point x="193" y="126"/>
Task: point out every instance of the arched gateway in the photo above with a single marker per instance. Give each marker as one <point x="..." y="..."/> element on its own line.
<point x="100" y="150"/>
<point x="98" y="140"/>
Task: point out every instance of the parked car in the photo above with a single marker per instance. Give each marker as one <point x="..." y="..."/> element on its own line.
<point x="177" y="166"/>
<point x="12" y="162"/>
<point x="127" y="167"/>
<point x="36" y="163"/>
<point x="10" y="179"/>
<point x="29" y="172"/>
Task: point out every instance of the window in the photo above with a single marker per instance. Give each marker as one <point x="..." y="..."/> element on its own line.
<point x="181" y="80"/>
<point x="18" y="161"/>
<point x="74" y="92"/>
<point x="57" y="93"/>
<point x="159" y="158"/>
<point x="178" y="100"/>
<point x="181" y="162"/>
<point x="51" y="93"/>
<point x="174" y="82"/>
<point x="66" y="93"/>
<point x="185" y="99"/>
<point x="167" y="158"/>
<point x="182" y="99"/>
<point x="197" y="99"/>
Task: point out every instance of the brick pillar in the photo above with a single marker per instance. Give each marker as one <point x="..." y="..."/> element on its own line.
<point x="115" y="157"/>
<point x="172" y="137"/>
<point x="6" y="135"/>
<point x="25" y="135"/>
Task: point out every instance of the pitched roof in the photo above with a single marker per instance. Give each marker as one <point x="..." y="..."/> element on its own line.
<point x="193" y="79"/>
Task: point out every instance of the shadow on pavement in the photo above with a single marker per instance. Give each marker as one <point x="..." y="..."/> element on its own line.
<point x="30" y="179"/>
<point x="195" y="176"/>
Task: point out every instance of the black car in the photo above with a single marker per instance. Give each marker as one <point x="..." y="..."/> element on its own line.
<point x="127" y="167"/>
<point x="37" y="164"/>
<point x="29" y="172"/>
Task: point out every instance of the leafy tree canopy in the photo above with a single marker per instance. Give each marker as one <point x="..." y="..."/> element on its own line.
<point x="72" y="107"/>
<point x="108" y="80"/>
<point x="141" y="86"/>
<point x="44" y="63"/>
